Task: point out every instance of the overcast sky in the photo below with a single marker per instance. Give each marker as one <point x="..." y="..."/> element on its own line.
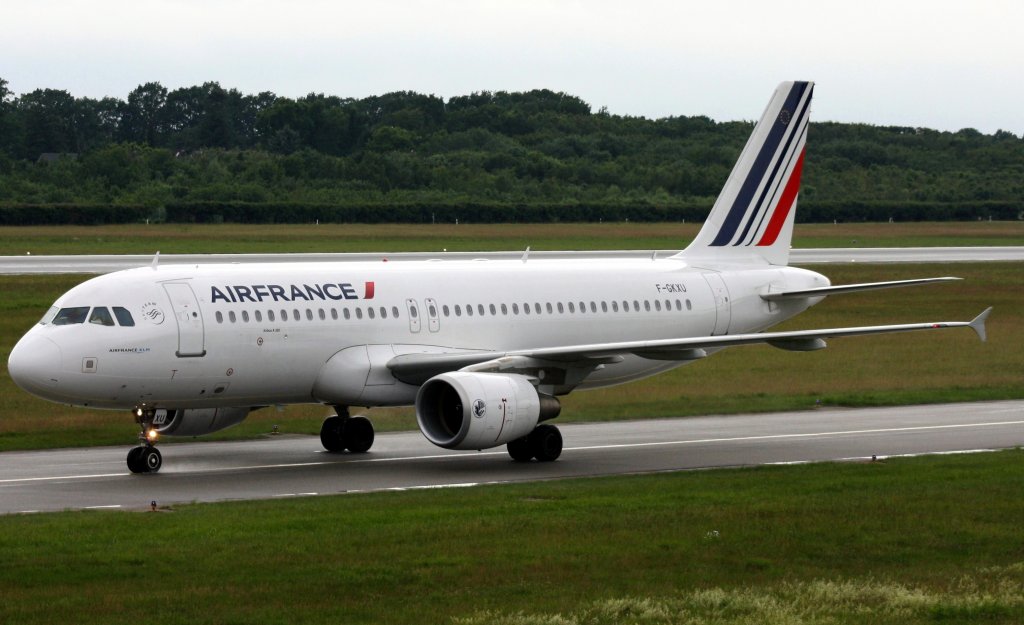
<point x="941" y="64"/>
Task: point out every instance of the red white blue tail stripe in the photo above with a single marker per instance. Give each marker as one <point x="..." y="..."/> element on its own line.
<point x="770" y="186"/>
<point x="755" y="211"/>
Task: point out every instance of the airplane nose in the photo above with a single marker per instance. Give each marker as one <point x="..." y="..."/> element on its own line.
<point x="35" y="364"/>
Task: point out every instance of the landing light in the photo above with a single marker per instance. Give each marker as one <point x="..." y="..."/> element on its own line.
<point x="152" y="435"/>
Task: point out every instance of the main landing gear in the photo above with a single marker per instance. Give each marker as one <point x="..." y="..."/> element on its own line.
<point x="146" y="457"/>
<point x="544" y="443"/>
<point x="342" y="432"/>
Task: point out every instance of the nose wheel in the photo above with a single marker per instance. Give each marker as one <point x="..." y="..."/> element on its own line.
<point x="145" y="458"/>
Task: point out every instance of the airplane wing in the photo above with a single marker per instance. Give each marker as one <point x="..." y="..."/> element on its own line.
<point x="571" y="364"/>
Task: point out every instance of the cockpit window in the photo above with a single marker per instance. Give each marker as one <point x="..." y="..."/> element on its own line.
<point x="123" y="316"/>
<point x="48" y="317"/>
<point x="68" y="316"/>
<point x="101" y="316"/>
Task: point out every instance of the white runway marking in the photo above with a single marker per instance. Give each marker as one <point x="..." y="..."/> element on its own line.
<point x="501" y="452"/>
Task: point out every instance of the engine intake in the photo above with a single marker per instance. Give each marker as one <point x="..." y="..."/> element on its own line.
<point x="198" y="421"/>
<point x="462" y="410"/>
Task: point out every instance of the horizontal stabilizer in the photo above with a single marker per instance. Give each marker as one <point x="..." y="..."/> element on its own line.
<point x="978" y="324"/>
<point x="851" y="288"/>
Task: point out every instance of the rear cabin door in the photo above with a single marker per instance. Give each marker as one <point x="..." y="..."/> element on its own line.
<point x="191" y="333"/>
<point x="723" y="309"/>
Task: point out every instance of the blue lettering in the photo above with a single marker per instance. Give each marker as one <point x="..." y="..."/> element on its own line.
<point x="310" y="290"/>
<point x="260" y="290"/>
<point x="349" y="292"/>
<point x="327" y="292"/>
<point x="297" y="294"/>
<point x="277" y="292"/>
<point x="216" y="294"/>
<point x="244" y="294"/>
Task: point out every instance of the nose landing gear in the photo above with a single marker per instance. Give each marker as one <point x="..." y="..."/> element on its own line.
<point x="146" y="457"/>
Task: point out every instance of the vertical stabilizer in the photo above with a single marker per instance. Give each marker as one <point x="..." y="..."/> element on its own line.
<point x="753" y="215"/>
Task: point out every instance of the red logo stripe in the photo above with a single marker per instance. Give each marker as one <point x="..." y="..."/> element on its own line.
<point x="784" y="206"/>
<point x="369" y="291"/>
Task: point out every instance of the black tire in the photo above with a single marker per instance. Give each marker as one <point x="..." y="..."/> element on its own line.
<point x="357" y="433"/>
<point x="135" y="460"/>
<point x="520" y="449"/>
<point x="331" y="434"/>
<point x="151" y="459"/>
<point x="546" y="443"/>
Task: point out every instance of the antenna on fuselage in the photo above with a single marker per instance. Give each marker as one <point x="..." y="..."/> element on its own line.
<point x="526" y="254"/>
<point x="156" y="260"/>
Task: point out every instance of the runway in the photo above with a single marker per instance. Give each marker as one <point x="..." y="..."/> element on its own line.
<point x="291" y="466"/>
<point x="106" y="263"/>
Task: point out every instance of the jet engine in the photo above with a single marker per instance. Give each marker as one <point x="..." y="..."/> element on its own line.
<point x="197" y="421"/>
<point x="462" y="410"/>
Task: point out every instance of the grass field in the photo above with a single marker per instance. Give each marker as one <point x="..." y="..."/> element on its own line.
<point x="884" y="370"/>
<point x="281" y="238"/>
<point x="923" y="540"/>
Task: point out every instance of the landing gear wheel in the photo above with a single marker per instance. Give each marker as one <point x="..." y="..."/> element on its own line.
<point x="135" y="460"/>
<point x="520" y="449"/>
<point x="151" y="459"/>
<point x="145" y="459"/>
<point x="331" y="434"/>
<point x="352" y="433"/>
<point x="358" y="434"/>
<point x="546" y="443"/>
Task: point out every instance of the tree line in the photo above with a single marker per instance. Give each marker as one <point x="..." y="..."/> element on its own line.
<point x="206" y="153"/>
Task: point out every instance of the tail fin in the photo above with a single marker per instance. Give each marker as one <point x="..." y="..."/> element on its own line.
<point x="753" y="215"/>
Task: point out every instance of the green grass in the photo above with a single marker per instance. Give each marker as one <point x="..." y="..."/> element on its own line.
<point x="390" y="238"/>
<point x="920" y="540"/>
<point x="884" y="370"/>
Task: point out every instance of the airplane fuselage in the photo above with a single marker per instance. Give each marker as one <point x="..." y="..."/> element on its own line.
<point x="209" y="336"/>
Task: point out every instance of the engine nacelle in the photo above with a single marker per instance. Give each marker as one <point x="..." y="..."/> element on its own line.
<point x="197" y="421"/>
<point x="461" y="410"/>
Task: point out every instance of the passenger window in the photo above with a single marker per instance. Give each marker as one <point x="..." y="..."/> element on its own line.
<point x="548" y="306"/>
<point x="515" y="309"/>
<point x="593" y="307"/>
<point x="447" y="311"/>
<point x="604" y="306"/>
<point x="369" y="312"/>
<point x="469" y="310"/>
<point x="480" y="309"/>
<point x="231" y="316"/>
<point x="494" y="311"/>
<point x="123" y="316"/>
<point x="689" y="305"/>
<point x="615" y="306"/>
<point x="309" y="314"/>
<point x="657" y="305"/>
<point x="101" y="316"/>
<point x="359" y="313"/>
<point x="647" y="305"/>
<point x="636" y="306"/>
<point x="384" y="312"/>
<point x="220" y="317"/>
<point x="432" y="310"/>
<point x="322" y="314"/>
<point x="346" y="313"/>
<point x="458" y="310"/>
<point x="70" y="316"/>
<point x="245" y="316"/>
<point x="572" y="307"/>
<point x="295" y="315"/>
<point x="583" y="307"/>
<point x="394" y="312"/>
<point x="334" y="314"/>
<point x="504" y="309"/>
<point x="679" y="305"/>
<point x="259" y="316"/>
<point x="270" y="315"/>
<point x="561" y="309"/>
<point x="284" y="315"/>
<point x="526" y="308"/>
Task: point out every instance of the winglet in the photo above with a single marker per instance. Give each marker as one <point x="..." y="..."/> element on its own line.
<point x="978" y="325"/>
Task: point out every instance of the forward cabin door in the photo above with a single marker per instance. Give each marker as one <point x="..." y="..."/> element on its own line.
<point x="723" y="309"/>
<point x="191" y="333"/>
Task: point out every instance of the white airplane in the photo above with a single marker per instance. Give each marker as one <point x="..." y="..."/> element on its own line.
<point x="481" y="348"/>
